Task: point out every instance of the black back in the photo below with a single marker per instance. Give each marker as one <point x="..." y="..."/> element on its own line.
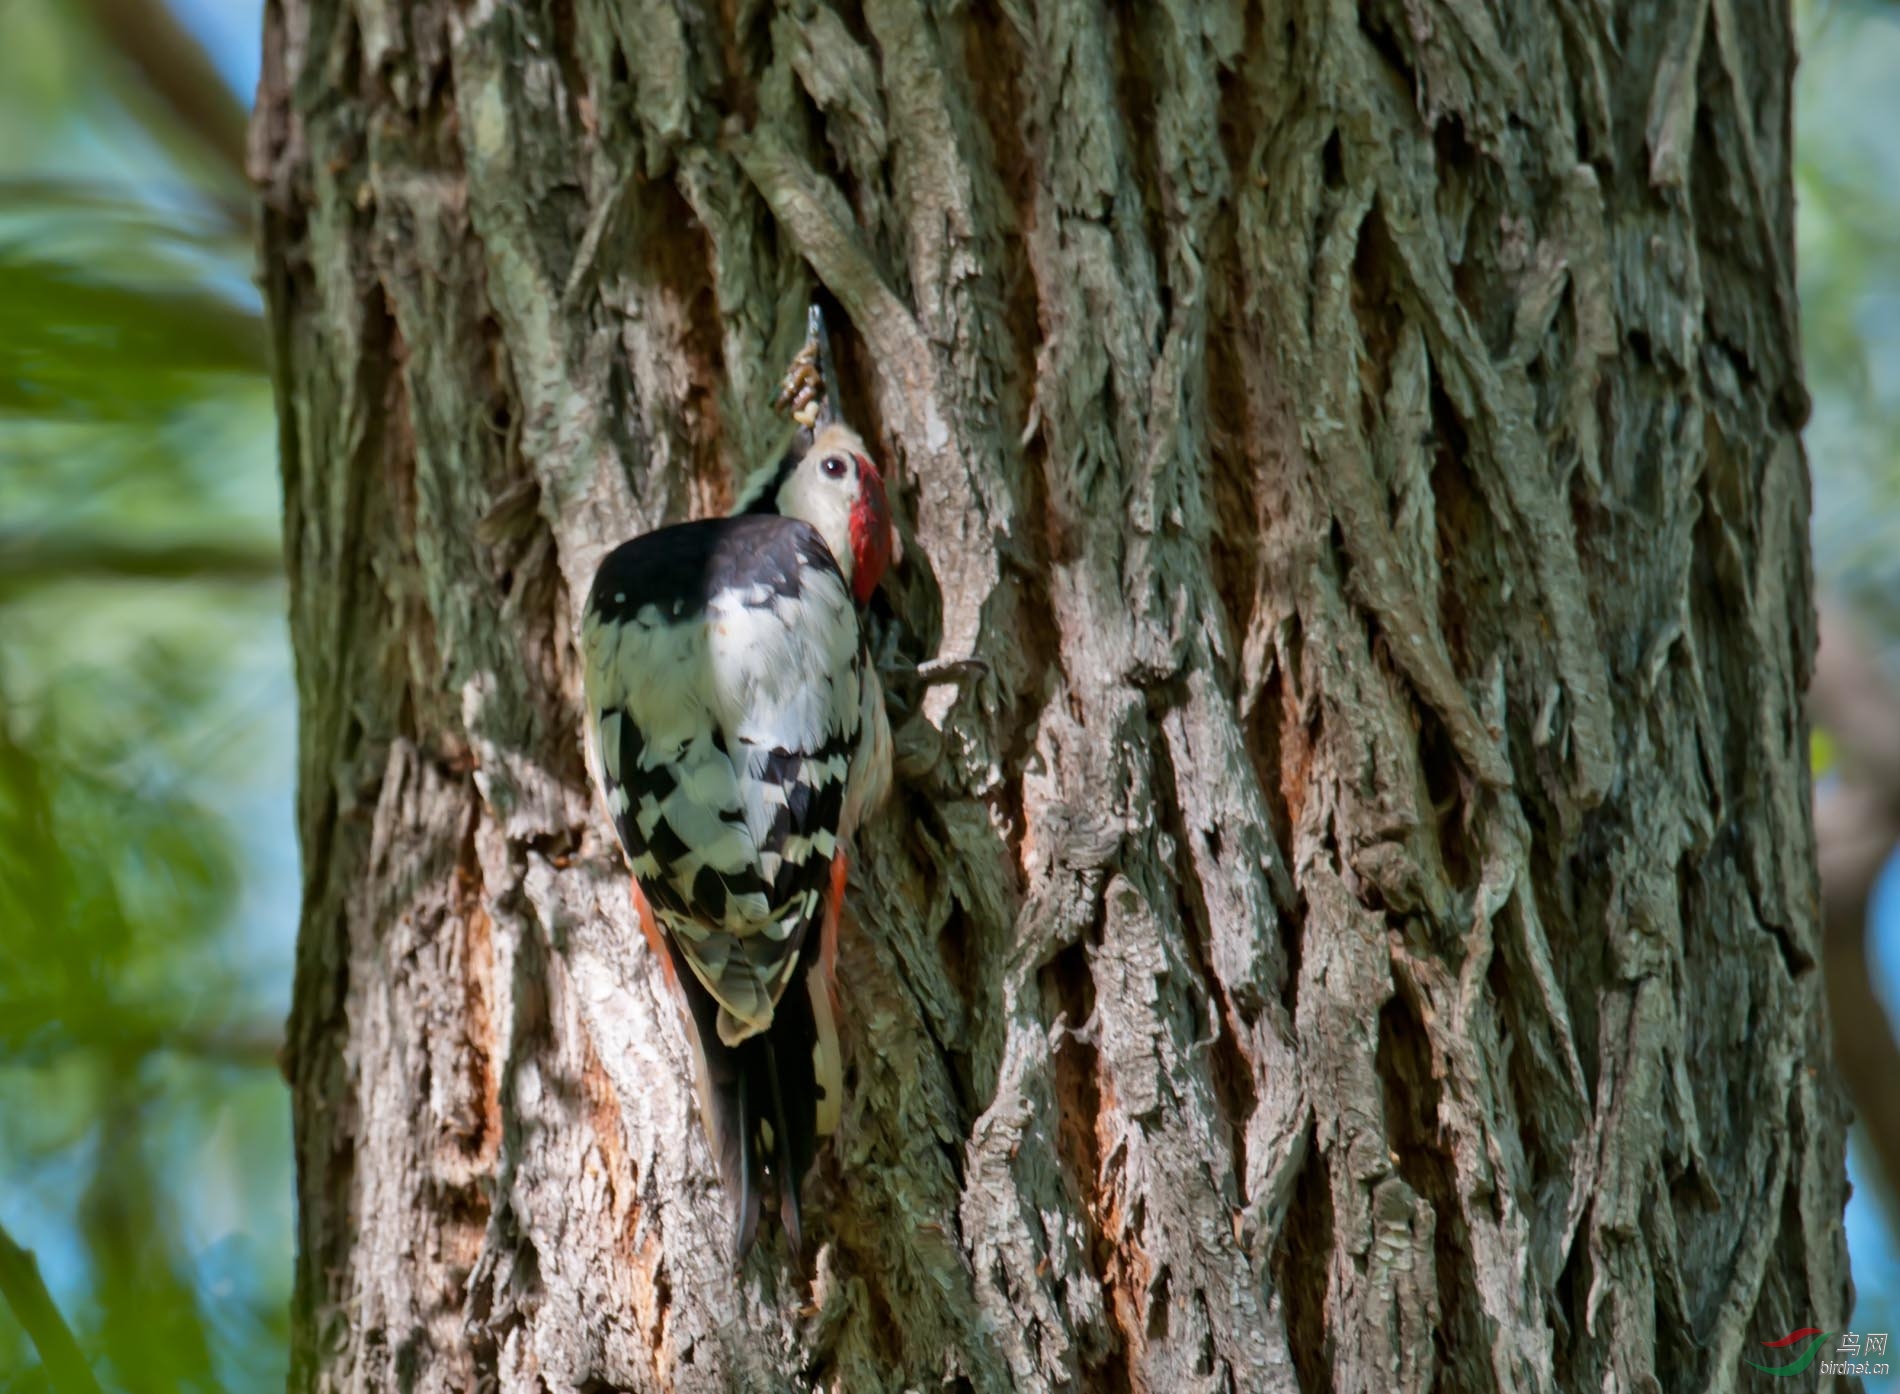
<point x="679" y="569"/>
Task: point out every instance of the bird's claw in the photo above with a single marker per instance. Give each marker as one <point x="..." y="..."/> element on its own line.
<point x="935" y="672"/>
<point x="904" y="682"/>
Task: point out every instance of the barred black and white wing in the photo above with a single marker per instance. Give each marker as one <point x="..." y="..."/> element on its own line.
<point x="729" y="693"/>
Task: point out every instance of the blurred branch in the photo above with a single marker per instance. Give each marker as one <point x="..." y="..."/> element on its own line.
<point x="1853" y="698"/>
<point x="39" y="1030"/>
<point x="252" y="1045"/>
<point x="1856" y="826"/>
<point x="94" y="348"/>
<point x="152" y="1323"/>
<point x="27" y="560"/>
<point x="25" y="1292"/>
<point x="158" y="210"/>
<point x="177" y="71"/>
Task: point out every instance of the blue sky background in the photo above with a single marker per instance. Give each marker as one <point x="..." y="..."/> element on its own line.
<point x="1870" y="1238"/>
<point x="231" y="31"/>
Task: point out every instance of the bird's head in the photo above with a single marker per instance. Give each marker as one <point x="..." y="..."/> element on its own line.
<point x="836" y="488"/>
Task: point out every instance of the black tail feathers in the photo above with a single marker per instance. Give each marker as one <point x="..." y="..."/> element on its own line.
<point x="761" y="1099"/>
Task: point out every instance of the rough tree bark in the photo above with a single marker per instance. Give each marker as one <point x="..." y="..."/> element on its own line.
<point x="1362" y="933"/>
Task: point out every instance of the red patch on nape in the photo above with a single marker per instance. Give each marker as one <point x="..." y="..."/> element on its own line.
<point x="870" y="532"/>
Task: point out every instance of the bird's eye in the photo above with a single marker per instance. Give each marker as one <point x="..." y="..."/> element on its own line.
<point x="833" y="467"/>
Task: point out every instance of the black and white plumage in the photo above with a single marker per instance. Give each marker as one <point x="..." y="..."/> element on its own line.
<point x="739" y="734"/>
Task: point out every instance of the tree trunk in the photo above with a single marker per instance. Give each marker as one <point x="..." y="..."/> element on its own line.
<point x="1359" y="935"/>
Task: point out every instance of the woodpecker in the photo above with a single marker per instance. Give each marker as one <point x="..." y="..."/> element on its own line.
<point x="739" y="736"/>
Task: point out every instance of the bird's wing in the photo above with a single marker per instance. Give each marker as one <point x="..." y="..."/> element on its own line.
<point x="726" y="686"/>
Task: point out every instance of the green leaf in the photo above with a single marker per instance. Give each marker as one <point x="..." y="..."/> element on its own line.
<point x="75" y="347"/>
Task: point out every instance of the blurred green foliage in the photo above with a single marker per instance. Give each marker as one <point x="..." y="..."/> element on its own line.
<point x="147" y="879"/>
<point x="1847" y="184"/>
